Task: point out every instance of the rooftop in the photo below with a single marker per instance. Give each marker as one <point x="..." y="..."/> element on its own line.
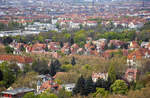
<point x="17" y="91"/>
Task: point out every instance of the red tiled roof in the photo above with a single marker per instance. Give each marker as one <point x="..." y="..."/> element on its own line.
<point x="4" y="21"/>
<point x="19" y="59"/>
<point x="138" y="53"/>
<point x="87" y="45"/>
<point x="38" y="47"/>
<point x="75" y="46"/>
<point x="48" y="84"/>
<point x="134" y="45"/>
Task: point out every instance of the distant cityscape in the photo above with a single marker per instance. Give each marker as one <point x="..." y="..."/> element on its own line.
<point x="74" y="48"/>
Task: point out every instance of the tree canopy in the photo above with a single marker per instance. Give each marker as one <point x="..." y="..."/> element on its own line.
<point x="119" y="87"/>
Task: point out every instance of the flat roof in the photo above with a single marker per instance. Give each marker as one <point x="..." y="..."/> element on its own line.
<point x="17" y="91"/>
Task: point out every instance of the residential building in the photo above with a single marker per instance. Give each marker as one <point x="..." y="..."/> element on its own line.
<point x="68" y="87"/>
<point x="16" y="93"/>
<point x="96" y="76"/>
<point x="20" y="60"/>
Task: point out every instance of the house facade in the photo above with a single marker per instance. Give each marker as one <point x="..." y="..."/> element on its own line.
<point x="96" y="76"/>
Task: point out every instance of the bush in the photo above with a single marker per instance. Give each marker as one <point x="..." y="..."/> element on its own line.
<point x="119" y="87"/>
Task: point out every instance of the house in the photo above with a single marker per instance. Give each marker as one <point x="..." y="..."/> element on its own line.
<point x="134" y="58"/>
<point x="54" y="46"/>
<point x="20" y="60"/>
<point x="16" y="93"/>
<point x="75" y="24"/>
<point x="46" y="82"/>
<point x="130" y="74"/>
<point x="17" y="47"/>
<point x="66" y="49"/>
<point x="108" y="53"/>
<point x="145" y="44"/>
<point x="148" y="46"/>
<point x="96" y="76"/>
<point x="100" y="44"/>
<point x="134" y="25"/>
<point x="80" y="51"/>
<point x="89" y="40"/>
<point x="68" y="87"/>
<point x="90" y="49"/>
<point x="116" y="43"/>
<point x="49" y="84"/>
<point x="55" y="55"/>
<point x="36" y="48"/>
<point x="74" y="49"/>
<point x="133" y="45"/>
<point x="91" y="23"/>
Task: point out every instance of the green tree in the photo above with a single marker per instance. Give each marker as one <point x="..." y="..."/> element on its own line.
<point x="9" y="49"/>
<point x="111" y="74"/>
<point x="66" y="68"/>
<point x="79" y="87"/>
<point x="40" y="66"/>
<point x="13" y="25"/>
<point x="22" y="48"/>
<point x="64" y="94"/>
<point x="2" y="27"/>
<point x="29" y="95"/>
<point x="100" y="93"/>
<point x="71" y="41"/>
<point x="119" y="87"/>
<point x="73" y="61"/>
<point x="67" y="36"/>
<point x="57" y="65"/>
<point x="25" y="80"/>
<point x="40" y="38"/>
<point x="27" y="68"/>
<point x="15" y="69"/>
<point x="52" y="70"/>
<point x="81" y="26"/>
<point x="47" y="95"/>
<point x="80" y="36"/>
<point x="101" y="83"/>
<point x="7" y="40"/>
<point x="1" y="75"/>
<point x="57" y="25"/>
<point x="8" y="75"/>
<point x="46" y="48"/>
<point x="89" y="86"/>
<point x="139" y="85"/>
<point x="61" y="44"/>
<point x="131" y="35"/>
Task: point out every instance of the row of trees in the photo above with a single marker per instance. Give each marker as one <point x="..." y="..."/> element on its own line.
<point x="41" y="66"/>
<point x="80" y="36"/>
<point x="45" y="94"/>
<point x="10" y="26"/>
<point x="87" y="86"/>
